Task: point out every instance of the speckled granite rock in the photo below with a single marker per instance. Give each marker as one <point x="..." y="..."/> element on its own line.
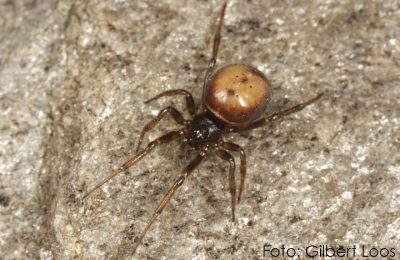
<point x="73" y="78"/>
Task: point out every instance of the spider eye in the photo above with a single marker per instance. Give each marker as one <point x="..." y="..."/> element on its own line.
<point x="201" y="133"/>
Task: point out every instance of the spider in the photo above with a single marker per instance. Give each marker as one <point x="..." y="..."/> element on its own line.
<point x="234" y="97"/>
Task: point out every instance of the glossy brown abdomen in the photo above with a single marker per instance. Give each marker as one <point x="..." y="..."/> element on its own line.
<point x="237" y="94"/>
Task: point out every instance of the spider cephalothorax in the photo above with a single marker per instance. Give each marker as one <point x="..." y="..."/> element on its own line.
<point x="202" y="131"/>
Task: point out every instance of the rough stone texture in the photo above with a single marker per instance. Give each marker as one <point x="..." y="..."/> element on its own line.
<point x="73" y="78"/>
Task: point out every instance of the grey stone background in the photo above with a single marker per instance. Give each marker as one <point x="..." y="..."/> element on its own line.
<point x="73" y="79"/>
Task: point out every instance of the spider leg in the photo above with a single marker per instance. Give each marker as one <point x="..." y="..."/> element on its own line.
<point x="175" y="114"/>
<point x="237" y="148"/>
<point x="274" y="117"/>
<point x="189" y="99"/>
<point x="161" y="140"/>
<point x="217" y="39"/>
<point x="167" y="197"/>
<point x="224" y="155"/>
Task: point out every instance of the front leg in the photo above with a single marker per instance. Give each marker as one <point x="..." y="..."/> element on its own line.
<point x="167" y="197"/>
<point x="161" y="140"/>
<point x="224" y="155"/>
<point x="237" y="148"/>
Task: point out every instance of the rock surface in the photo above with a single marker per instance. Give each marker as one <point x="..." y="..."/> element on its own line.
<point x="73" y="79"/>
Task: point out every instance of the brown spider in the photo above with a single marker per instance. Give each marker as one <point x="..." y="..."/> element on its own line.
<point x="234" y="97"/>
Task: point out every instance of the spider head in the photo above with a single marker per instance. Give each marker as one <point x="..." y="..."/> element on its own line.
<point x="202" y="131"/>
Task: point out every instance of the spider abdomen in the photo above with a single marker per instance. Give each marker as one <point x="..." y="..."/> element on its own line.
<point x="237" y="94"/>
